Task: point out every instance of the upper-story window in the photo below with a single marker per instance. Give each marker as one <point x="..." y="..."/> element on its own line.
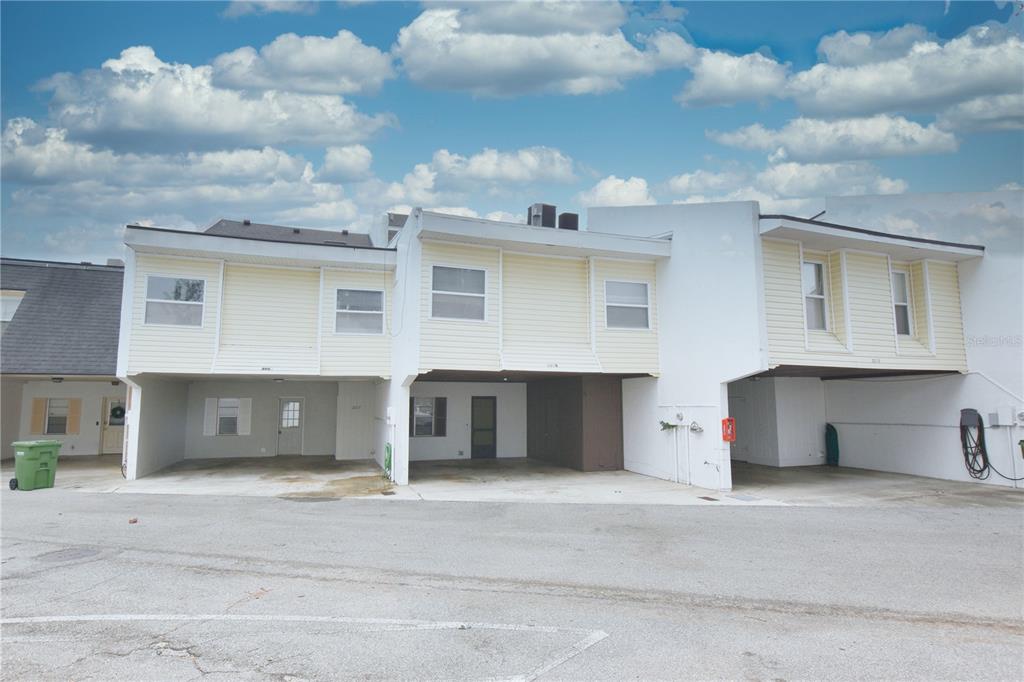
<point x="814" y="295"/>
<point x="458" y="293"/>
<point x="626" y="305"/>
<point x="359" y="311"/>
<point x="174" y="300"/>
<point x="901" y="301"/>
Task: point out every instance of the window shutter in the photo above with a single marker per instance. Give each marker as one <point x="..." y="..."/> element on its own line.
<point x="74" y="415"/>
<point x="244" y="416"/>
<point x="38" y="425"/>
<point x="210" y="417"/>
<point x="440" y="416"/>
<point x="412" y="424"/>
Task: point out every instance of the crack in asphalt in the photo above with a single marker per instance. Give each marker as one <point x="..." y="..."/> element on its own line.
<point x="334" y="573"/>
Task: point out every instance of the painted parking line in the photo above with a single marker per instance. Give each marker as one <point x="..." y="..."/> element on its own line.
<point x="589" y="639"/>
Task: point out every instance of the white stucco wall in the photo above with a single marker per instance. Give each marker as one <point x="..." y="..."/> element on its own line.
<point x="711" y="330"/>
<point x="752" y="405"/>
<point x="357" y="420"/>
<point x="800" y="408"/>
<point x="910" y="425"/>
<point x="91" y="393"/>
<point x="405" y="354"/>
<point x="511" y="423"/>
<point x="155" y="425"/>
<point x="320" y="401"/>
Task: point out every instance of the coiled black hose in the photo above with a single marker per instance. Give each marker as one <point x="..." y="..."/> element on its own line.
<point x="972" y="440"/>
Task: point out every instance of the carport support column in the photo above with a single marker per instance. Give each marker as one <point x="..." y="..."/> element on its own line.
<point x="398" y="427"/>
<point x="130" y="448"/>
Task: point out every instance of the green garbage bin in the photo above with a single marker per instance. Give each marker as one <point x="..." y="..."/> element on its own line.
<point x="35" y="464"/>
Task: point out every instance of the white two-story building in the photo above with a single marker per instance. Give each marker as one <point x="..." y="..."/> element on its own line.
<point x="622" y="346"/>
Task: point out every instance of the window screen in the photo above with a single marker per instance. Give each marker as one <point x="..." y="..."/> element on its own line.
<point x="901" y="302"/>
<point x="176" y="301"/>
<point x="458" y="293"/>
<point x="626" y="305"/>
<point x="359" y="312"/>
<point x="227" y="416"/>
<point x="814" y="295"/>
<point x="57" y="416"/>
<point x="428" y="416"/>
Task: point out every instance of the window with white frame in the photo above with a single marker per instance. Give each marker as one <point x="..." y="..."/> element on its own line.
<point x="227" y="416"/>
<point x="359" y="311"/>
<point x="814" y="295"/>
<point x="428" y="416"/>
<point x="901" y="301"/>
<point x="458" y="293"/>
<point x="626" y="305"/>
<point x="57" y="416"/>
<point x="174" y="300"/>
<point x="291" y="413"/>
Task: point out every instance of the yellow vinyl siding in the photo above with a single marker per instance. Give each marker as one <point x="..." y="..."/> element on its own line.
<point x="871" y="316"/>
<point x="457" y="344"/>
<point x="784" y="301"/>
<point x="872" y="326"/>
<point x="546" y="314"/>
<point x="167" y="348"/>
<point x="919" y="303"/>
<point x="836" y="301"/>
<point x="354" y="354"/>
<point x="947" y="321"/>
<point x="269" y="320"/>
<point x="626" y="351"/>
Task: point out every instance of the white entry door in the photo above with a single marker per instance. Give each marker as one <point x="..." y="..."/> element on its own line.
<point x="289" y="426"/>
<point x="112" y="426"/>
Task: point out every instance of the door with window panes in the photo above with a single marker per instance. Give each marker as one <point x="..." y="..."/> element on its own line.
<point x="289" y="426"/>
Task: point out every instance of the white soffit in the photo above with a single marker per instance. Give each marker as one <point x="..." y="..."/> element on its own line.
<point x="818" y="237"/>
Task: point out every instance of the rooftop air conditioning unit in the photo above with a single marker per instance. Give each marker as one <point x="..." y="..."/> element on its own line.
<point x="541" y="215"/>
<point x="569" y="221"/>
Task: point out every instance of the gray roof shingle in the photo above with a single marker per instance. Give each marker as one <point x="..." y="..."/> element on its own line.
<point x="67" y="322"/>
<point x="289" y="235"/>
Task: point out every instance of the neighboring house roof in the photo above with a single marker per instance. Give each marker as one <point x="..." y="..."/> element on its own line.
<point x="397" y="219"/>
<point x="288" y="235"/>
<point x="67" y="322"/>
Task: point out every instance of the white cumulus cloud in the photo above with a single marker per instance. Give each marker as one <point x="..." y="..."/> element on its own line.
<point x="341" y="64"/>
<point x="808" y="139"/>
<point x="851" y="49"/>
<point x="985" y="60"/>
<point x="241" y="8"/>
<point x="466" y="49"/>
<point x="522" y="166"/>
<point x="1001" y="112"/>
<point x="139" y="101"/>
<point x="351" y="162"/>
<point x="616" y="191"/>
<point x="720" y="78"/>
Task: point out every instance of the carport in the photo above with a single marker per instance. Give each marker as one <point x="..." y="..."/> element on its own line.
<point x="197" y="422"/>
<point x="887" y="421"/>
<point x="560" y="421"/>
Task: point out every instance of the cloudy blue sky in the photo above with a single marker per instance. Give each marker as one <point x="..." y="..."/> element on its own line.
<point x="325" y="115"/>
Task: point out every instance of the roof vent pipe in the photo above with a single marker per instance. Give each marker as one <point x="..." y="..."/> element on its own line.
<point x="247" y="222"/>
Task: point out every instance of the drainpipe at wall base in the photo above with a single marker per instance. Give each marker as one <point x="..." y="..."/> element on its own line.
<point x="1013" y="456"/>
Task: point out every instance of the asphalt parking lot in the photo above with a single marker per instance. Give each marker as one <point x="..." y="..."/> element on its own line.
<point x="272" y="588"/>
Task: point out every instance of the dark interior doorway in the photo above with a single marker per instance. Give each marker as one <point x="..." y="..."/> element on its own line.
<point x="484" y="427"/>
